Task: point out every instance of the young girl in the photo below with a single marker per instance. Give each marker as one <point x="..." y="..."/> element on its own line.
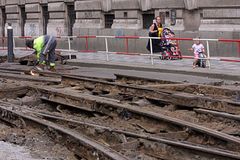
<point x="197" y="48"/>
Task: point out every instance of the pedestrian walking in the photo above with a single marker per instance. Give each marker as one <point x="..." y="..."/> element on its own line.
<point x="155" y="30"/>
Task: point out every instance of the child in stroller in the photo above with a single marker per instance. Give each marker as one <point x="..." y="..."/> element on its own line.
<point x="170" y="48"/>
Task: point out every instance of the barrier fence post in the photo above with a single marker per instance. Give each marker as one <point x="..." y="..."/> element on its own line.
<point x="69" y="43"/>
<point x="177" y="49"/>
<point x="25" y="41"/>
<point x="86" y="43"/>
<point x="126" y="45"/>
<point x="151" y="50"/>
<point x="208" y="55"/>
<point x="69" y="47"/>
<point x="239" y="49"/>
<point x="14" y="43"/>
<point x="107" y="50"/>
<point x="10" y="43"/>
<point x="3" y="41"/>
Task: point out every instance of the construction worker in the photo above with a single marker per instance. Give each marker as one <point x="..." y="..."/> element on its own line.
<point x="44" y="47"/>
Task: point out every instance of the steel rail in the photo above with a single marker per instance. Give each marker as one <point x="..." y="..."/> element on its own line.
<point x="164" y="95"/>
<point x="220" y="114"/>
<point x="84" y="140"/>
<point x="97" y="104"/>
<point x="209" y="150"/>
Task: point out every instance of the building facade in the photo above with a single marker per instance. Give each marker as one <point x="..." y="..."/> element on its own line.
<point x="188" y="18"/>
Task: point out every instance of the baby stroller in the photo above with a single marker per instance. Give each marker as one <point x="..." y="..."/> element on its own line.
<point x="170" y="48"/>
<point x="201" y="60"/>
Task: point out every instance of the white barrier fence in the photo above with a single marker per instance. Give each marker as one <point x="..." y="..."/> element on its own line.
<point x="127" y="38"/>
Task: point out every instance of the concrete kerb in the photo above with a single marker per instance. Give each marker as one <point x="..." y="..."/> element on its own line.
<point x="126" y="66"/>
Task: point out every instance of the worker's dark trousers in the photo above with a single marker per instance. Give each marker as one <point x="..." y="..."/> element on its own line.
<point x="49" y="52"/>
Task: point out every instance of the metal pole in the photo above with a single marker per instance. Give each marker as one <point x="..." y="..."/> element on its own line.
<point x="69" y="47"/>
<point x="107" y="50"/>
<point x="14" y="44"/>
<point x="69" y="44"/>
<point x="86" y="43"/>
<point x="239" y="49"/>
<point x="3" y="41"/>
<point x="10" y="43"/>
<point x="151" y="50"/>
<point x="126" y="45"/>
<point x="208" y="55"/>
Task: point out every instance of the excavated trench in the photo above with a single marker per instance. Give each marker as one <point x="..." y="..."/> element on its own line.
<point x="33" y="141"/>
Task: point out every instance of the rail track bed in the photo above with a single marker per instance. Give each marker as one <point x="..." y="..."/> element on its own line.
<point x="127" y="117"/>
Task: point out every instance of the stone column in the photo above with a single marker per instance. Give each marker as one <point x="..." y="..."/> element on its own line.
<point x="191" y="20"/>
<point x="106" y="5"/>
<point x="145" y="5"/>
<point x="12" y="13"/>
<point x="127" y="14"/>
<point x="191" y="4"/>
<point x="89" y="14"/>
<point x="57" y="15"/>
<point x="33" y="25"/>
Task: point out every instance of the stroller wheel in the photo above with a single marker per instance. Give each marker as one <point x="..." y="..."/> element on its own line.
<point x="203" y="64"/>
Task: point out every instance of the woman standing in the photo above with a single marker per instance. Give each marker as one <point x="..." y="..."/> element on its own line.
<point x="155" y="31"/>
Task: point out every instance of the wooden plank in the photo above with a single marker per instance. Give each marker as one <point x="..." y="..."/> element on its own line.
<point x="30" y="78"/>
<point x="66" y="104"/>
<point x="164" y="95"/>
<point x="167" y="86"/>
<point x="212" y="90"/>
<point x="49" y="74"/>
<point x="85" y="141"/>
<point x="135" y="109"/>
<point x="149" y="80"/>
<point x="214" y="151"/>
<point x="12" y="72"/>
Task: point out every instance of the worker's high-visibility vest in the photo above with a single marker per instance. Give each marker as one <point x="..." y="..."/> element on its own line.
<point x="38" y="45"/>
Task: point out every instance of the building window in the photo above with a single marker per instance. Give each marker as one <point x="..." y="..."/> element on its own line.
<point x="45" y="18"/>
<point x="23" y="19"/>
<point x="167" y="14"/>
<point x="125" y="14"/>
<point x="109" y="20"/>
<point x="3" y="21"/>
<point x="71" y="18"/>
<point x="173" y="17"/>
<point x="147" y="20"/>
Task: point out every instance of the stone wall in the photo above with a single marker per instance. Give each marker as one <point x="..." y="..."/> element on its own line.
<point x="191" y="18"/>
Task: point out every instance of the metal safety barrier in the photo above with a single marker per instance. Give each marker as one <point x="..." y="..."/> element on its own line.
<point x="126" y="49"/>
